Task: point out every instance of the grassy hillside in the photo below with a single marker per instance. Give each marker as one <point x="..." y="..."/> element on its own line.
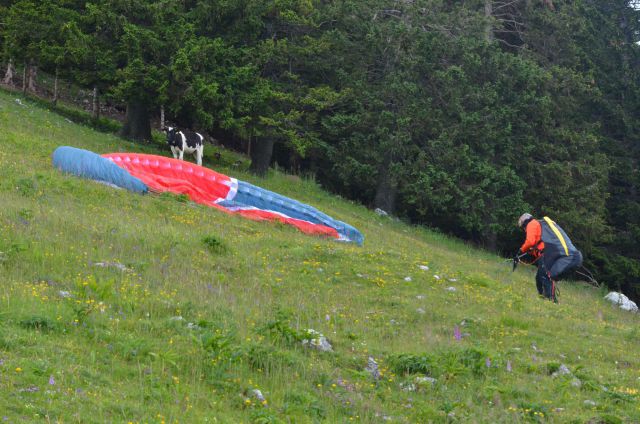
<point x="196" y="309"/>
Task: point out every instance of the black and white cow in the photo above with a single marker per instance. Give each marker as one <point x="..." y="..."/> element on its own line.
<point x="182" y="141"/>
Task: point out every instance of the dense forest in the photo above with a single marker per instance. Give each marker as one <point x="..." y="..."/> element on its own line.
<point x="459" y="115"/>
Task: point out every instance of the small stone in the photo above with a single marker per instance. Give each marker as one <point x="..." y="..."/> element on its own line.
<point x="420" y="297"/>
<point x="381" y="212"/>
<point x="407" y="279"/>
<point x="436" y="276"/>
<point x="317" y="341"/>
<point x="408" y="387"/>
<point x="258" y="395"/>
<point x="372" y="368"/>
<point x="563" y="370"/>
<point x="451" y="289"/>
<point x="425" y="380"/>
<point x="423" y="267"/>
<point x="116" y="265"/>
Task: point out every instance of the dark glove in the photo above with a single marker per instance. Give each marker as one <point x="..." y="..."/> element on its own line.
<point x="516" y="259"/>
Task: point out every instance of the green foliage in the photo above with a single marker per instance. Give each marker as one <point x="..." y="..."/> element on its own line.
<point x="280" y="329"/>
<point x="214" y="245"/>
<point x="412" y="364"/>
<point x="39" y="323"/>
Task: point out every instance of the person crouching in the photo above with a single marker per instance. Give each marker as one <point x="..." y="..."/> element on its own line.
<point x="551" y="250"/>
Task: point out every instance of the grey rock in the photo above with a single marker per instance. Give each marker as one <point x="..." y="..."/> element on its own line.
<point x="317" y="340"/>
<point x="372" y="368"/>
<point x="563" y="370"/>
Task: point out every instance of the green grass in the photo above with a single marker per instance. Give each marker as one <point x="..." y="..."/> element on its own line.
<point x="212" y="306"/>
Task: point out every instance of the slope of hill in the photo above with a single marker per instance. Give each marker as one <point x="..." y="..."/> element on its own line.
<point x="118" y="307"/>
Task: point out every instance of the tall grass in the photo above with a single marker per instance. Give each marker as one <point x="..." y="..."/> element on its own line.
<point x="118" y="307"/>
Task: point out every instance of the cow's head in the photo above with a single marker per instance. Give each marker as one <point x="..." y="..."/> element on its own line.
<point x="171" y="134"/>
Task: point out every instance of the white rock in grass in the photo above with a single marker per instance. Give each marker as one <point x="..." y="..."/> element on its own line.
<point x="407" y="279"/>
<point x="109" y="264"/>
<point x="451" y="289"/>
<point x="622" y="301"/>
<point x="563" y="370"/>
<point x="408" y="387"/>
<point x="424" y="381"/>
<point x="372" y="368"/>
<point x="381" y="212"/>
<point x="423" y="267"/>
<point x="258" y="395"/>
<point x="64" y="294"/>
<point x="317" y="340"/>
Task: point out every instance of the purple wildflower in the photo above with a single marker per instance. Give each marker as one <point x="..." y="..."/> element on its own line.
<point x="508" y="366"/>
<point x="52" y="382"/>
<point x="487" y="362"/>
<point x="456" y="333"/>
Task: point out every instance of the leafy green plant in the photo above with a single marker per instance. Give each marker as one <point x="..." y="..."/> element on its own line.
<point x="214" y="244"/>
<point x="39" y="323"/>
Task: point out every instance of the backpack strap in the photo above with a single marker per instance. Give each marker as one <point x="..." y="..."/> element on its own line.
<point x="558" y="234"/>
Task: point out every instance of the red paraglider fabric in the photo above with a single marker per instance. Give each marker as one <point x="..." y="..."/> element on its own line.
<point x="202" y="185"/>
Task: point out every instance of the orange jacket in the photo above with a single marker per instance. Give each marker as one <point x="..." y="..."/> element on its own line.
<point x="534" y="238"/>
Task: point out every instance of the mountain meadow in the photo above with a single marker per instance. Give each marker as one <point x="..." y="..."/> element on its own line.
<point x="121" y="307"/>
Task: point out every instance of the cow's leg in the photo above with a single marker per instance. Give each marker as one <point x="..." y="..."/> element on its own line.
<point x="174" y="152"/>
<point x="199" y="151"/>
<point x="181" y="154"/>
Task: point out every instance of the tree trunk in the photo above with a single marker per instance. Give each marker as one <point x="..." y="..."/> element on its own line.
<point x="137" y="125"/>
<point x="261" y="152"/>
<point x="8" y="76"/>
<point x="488" y="14"/>
<point x="162" y="117"/>
<point x="95" y="104"/>
<point x="55" y="89"/>
<point x="24" y="79"/>
<point x="386" y="191"/>
<point x="33" y="73"/>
